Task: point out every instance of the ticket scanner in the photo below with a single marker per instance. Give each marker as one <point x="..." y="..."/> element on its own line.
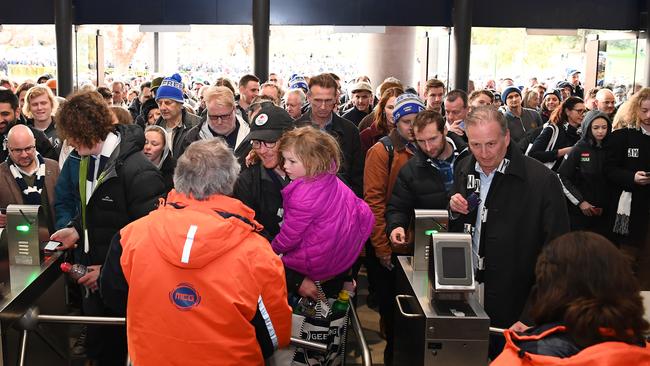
<point x="438" y="320"/>
<point x="23" y="228"/>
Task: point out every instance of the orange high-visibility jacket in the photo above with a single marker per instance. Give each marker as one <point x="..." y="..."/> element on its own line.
<point x="199" y="284"/>
<point x="601" y="354"/>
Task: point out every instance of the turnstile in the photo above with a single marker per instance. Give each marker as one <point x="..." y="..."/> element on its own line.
<point x="448" y="331"/>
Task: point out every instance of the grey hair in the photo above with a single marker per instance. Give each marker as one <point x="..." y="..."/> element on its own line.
<point x="299" y="92"/>
<point x="206" y="168"/>
<point x="487" y="113"/>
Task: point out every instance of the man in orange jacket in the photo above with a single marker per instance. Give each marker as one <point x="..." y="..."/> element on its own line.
<point x="204" y="288"/>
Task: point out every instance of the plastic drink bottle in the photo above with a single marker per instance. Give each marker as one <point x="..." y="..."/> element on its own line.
<point x="75" y="271"/>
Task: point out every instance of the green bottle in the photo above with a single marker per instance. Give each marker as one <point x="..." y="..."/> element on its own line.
<point x="342" y="303"/>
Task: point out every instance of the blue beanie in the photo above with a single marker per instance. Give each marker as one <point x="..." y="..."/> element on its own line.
<point x="508" y="90"/>
<point x="171" y="88"/>
<point x="406" y="104"/>
<point x="298" y="82"/>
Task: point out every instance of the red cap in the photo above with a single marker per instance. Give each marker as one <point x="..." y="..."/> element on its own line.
<point x="66" y="267"/>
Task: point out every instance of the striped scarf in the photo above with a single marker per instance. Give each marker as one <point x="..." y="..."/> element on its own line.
<point x="31" y="194"/>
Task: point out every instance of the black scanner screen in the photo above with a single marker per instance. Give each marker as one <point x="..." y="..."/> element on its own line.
<point x="453" y="263"/>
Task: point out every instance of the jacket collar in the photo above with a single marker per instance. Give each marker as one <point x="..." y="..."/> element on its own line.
<point x="512" y="163"/>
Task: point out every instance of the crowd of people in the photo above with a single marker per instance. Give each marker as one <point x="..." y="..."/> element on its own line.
<point x="217" y="202"/>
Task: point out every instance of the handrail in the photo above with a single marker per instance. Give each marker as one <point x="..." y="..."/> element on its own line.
<point x="356" y="325"/>
<point x="98" y="320"/>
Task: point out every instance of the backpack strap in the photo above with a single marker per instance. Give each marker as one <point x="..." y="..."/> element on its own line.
<point x="553" y="140"/>
<point x="388" y="145"/>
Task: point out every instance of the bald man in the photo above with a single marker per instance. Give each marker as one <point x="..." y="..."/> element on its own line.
<point x="605" y="102"/>
<point x="27" y="178"/>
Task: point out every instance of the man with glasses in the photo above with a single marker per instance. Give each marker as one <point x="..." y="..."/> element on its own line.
<point x="221" y="121"/>
<point x="27" y="178"/>
<point x="323" y="97"/>
<point x="606" y="102"/>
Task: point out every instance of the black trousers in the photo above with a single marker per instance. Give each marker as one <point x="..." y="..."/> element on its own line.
<point x="104" y="343"/>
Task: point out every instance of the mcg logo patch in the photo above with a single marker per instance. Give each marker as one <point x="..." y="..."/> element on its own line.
<point x="185" y="297"/>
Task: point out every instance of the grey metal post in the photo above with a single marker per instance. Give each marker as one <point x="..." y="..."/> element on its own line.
<point x="261" y="34"/>
<point x="156" y="52"/>
<point x="64" y="55"/>
<point x="462" y="22"/>
<point x="647" y="43"/>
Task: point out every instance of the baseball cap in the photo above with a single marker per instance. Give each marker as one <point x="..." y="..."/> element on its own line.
<point x="270" y="123"/>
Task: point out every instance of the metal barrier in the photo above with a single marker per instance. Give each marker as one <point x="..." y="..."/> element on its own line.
<point x="31" y="318"/>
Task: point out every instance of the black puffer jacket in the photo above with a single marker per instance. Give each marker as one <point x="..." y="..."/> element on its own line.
<point x="419" y="185"/>
<point x="129" y="190"/>
<point x="188" y="121"/>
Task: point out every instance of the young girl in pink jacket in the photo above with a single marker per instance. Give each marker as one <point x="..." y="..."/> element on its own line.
<point x="325" y="224"/>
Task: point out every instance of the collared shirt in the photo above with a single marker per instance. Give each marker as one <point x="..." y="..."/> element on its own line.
<point x="329" y="124"/>
<point x="486" y="182"/>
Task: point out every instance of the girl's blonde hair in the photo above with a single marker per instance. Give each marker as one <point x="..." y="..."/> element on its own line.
<point x="318" y="151"/>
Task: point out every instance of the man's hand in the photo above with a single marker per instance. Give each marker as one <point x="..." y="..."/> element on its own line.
<point x="308" y="289"/>
<point x="458" y="203"/>
<point x="641" y="178"/>
<point x="251" y="158"/>
<point x="397" y="236"/>
<point x="3" y="220"/>
<point x="90" y="279"/>
<point x="456" y="128"/>
<point x="67" y="236"/>
<point x="586" y="208"/>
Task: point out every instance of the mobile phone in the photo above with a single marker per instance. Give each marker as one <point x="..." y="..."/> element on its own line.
<point x="473" y="200"/>
<point x="647" y="174"/>
<point x="52" y="245"/>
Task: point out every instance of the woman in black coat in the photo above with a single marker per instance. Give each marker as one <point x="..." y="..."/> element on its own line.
<point x="557" y="138"/>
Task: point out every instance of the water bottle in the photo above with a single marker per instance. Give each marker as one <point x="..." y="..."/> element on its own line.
<point x="75" y="271"/>
<point x="342" y="303"/>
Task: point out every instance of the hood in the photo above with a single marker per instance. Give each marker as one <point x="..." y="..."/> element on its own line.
<point x="587" y="136"/>
<point x="191" y="229"/>
<point x="131" y="140"/>
<point x="166" y="150"/>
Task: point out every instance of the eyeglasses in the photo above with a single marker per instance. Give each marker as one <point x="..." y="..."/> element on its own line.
<point x="28" y="150"/>
<point x="580" y="111"/>
<point x="222" y="117"/>
<point x="257" y="144"/>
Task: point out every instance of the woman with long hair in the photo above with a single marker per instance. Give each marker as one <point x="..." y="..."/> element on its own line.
<point x="560" y="134"/>
<point x="628" y="168"/>
<point x="383" y="119"/>
<point x="587" y="307"/>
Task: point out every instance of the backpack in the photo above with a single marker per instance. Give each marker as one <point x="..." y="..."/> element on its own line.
<point x="601" y="354"/>
<point x="551" y="142"/>
<point x="388" y="145"/>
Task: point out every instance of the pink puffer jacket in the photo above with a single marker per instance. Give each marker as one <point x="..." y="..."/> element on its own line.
<point x="325" y="226"/>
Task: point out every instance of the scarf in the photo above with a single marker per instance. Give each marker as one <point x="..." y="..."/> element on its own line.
<point x="31" y="194"/>
<point x="622" y="222"/>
